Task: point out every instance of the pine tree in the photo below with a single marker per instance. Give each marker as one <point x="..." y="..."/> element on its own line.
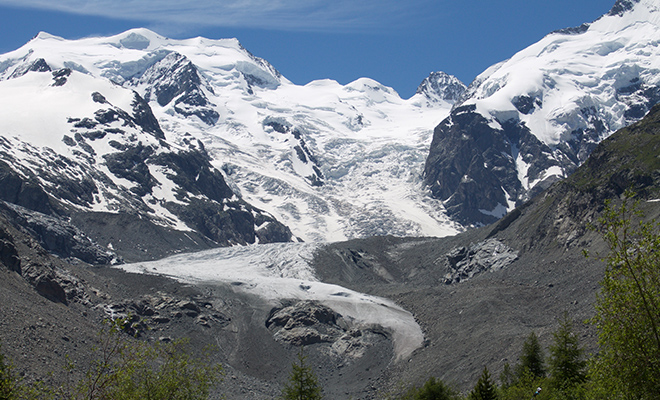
<point x="567" y="366"/>
<point x="532" y="358"/>
<point x="435" y="389"/>
<point x="303" y="384"/>
<point x="485" y="388"/>
<point x="507" y="377"/>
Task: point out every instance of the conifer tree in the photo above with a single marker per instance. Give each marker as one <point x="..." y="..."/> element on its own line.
<point x="507" y="377"/>
<point x="434" y="389"/>
<point x="532" y="358"/>
<point x="485" y="388"/>
<point x="303" y="384"/>
<point x="566" y="363"/>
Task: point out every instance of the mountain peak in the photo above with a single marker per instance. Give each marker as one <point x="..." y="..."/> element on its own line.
<point x="440" y="86"/>
<point x="621" y="6"/>
<point x="46" y="36"/>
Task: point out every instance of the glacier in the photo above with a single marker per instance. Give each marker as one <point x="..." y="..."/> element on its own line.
<point x="281" y="271"/>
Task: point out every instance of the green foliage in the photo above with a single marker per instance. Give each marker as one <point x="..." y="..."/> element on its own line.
<point x="628" y="306"/>
<point x="516" y="381"/>
<point x="8" y="381"/>
<point x="532" y="357"/>
<point x="507" y="377"/>
<point x="129" y="370"/>
<point x="485" y="388"/>
<point x="524" y="388"/>
<point x="567" y="365"/>
<point x="303" y="384"/>
<point x="433" y="389"/>
<point x="12" y="387"/>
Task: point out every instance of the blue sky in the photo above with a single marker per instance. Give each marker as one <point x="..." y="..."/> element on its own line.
<point x="395" y="42"/>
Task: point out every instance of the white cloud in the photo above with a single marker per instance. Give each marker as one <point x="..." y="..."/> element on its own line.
<point x="306" y="15"/>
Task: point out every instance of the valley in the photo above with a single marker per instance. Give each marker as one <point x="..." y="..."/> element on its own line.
<point x="189" y="185"/>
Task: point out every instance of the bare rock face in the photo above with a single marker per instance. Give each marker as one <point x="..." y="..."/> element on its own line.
<point x="176" y="78"/>
<point x="308" y="322"/>
<point x="8" y="254"/>
<point x="488" y="256"/>
<point x="57" y="235"/>
<point x="471" y="166"/>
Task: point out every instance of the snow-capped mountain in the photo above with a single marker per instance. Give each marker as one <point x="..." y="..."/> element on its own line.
<point x="532" y="119"/>
<point x="129" y="118"/>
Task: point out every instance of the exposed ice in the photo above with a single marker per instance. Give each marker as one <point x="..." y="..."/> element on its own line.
<point x="282" y="271"/>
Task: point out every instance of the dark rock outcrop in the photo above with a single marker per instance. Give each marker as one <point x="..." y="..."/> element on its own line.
<point x="8" y="253"/>
<point x="306" y="323"/>
<point x="472" y="166"/>
<point x="23" y="192"/>
<point x="488" y="256"/>
<point x="176" y="78"/>
<point x="57" y="235"/>
<point x="61" y="76"/>
<point x="39" y="65"/>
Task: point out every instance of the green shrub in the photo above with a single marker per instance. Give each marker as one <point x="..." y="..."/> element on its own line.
<point x="628" y="307"/>
<point x="126" y="369"/>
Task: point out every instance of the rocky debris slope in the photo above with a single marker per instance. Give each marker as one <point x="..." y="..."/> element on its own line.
<point x="53" y="311"/>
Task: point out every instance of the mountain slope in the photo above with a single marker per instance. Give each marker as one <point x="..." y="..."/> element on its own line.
<point x="75" y="146"/>
<point x="328" y="161"/>
<point x="530" y="120"/>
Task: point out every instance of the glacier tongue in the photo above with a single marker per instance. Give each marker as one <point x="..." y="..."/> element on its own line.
<point x="282" y="271"/>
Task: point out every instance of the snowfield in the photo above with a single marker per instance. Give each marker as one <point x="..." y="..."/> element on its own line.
<point x="567" y="72"/>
